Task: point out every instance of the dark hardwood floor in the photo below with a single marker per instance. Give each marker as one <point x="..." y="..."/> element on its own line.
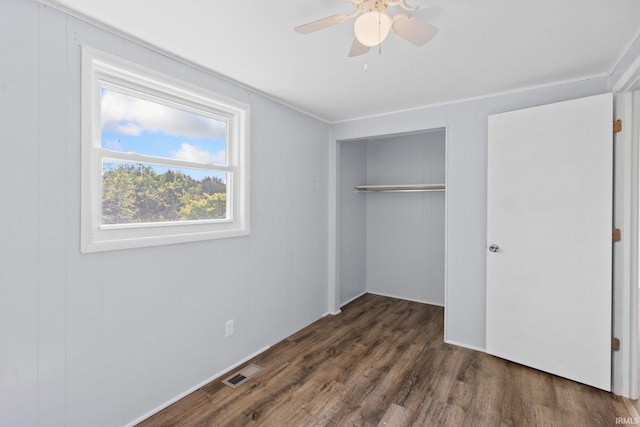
<point x="383" y="361"/>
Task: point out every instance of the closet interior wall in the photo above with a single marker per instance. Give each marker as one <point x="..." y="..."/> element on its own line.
<point x="392" y="243"/>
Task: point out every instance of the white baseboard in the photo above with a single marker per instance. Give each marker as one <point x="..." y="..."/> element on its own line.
<point x="470" y="347"/>
<point x="406" y="299"/>
<point x="194" y="388"/>
<point x="352" y="299"/>
<point x="332" y="313"/>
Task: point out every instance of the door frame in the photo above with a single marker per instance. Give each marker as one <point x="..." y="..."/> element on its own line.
<point x="626" y="217"/>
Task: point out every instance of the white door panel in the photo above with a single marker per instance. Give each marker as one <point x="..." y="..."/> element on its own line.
<point x="550" y="213"/>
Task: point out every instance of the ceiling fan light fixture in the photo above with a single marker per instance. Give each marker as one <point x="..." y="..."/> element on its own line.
<point x="372" y="28"/>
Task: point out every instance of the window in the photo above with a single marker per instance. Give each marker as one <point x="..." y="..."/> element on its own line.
<point x="163" y="161"/>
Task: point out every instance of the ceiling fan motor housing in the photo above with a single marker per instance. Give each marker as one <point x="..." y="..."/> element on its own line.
<point x="372" y="5"/>
<point x="373" y="26"/>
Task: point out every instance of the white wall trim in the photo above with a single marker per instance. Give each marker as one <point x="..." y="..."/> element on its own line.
<point x="446" y="226"/>
<point x="625" y="290"/>
<point x="354" y="298"/>
<point x="333" y="291"/>
<point x="196" y="387"/>
<point x="470" y="347"/>
<point x="633" y="152"/>
<point x="630" y="79"/>
<point x="625" y="51"/>
<point x="405" y="299"/>
<point x="335" y="313"/>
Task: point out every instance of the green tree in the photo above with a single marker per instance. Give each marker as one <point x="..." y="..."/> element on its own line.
<point x="137" y="193"/>
<point x="173" y="186"/>
<point x="118" y="196"/>
<point x="212" y="185"/>
<point x="147" y="184"/>
<point x="212" y="206"/>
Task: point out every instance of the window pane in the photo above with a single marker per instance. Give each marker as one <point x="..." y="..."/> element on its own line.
<point x="144" y="193"/>
<point x="130" y="124"/>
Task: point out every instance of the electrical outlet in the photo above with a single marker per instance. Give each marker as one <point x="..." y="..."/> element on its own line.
<point x="228" y="328"/>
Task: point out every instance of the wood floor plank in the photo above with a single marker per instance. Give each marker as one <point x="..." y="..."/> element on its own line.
<point x="384" y="360"/>
<point x="395" y="416"/>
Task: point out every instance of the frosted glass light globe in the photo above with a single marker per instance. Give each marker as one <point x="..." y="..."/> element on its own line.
<point x="372" y="28"/>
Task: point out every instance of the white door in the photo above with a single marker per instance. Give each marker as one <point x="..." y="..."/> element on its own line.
<point x="549" y="238"/>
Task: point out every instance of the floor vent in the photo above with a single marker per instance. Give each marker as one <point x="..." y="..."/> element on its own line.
<point x="243" y="376"/>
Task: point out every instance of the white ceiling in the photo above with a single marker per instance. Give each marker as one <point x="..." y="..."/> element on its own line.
<point x="483" y="47"/>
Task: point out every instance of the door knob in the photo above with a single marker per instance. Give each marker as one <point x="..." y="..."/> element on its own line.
<point x="494" y="248"/>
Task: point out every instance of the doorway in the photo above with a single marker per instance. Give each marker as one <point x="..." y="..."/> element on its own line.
<point x="391" y="241"/>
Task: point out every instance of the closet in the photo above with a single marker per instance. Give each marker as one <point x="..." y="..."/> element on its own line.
<point x="391" y="217"/>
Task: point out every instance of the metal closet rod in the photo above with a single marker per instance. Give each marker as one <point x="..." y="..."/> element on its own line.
<point x="401" y="188"/>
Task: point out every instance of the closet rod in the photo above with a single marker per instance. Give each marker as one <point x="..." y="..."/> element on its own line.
<point x="402" y="188"/>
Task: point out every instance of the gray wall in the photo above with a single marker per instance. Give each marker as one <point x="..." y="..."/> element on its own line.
<point x="405" y="231"/>
<point x="102" y="339"/>
<point x="352" y="221"/>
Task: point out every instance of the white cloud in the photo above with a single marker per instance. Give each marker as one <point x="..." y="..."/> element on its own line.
<point x="112" y="145"/>
<point x="192" y="153"/>
<point x="132" y="116"/>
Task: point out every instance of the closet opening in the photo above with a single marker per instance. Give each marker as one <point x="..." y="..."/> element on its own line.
<point x="391" y="217"/>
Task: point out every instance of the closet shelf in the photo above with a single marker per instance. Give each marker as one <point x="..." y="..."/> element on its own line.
<point x="401" y="188"/>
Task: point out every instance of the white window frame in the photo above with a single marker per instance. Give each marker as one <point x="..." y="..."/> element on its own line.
<point x="103" y="70"/>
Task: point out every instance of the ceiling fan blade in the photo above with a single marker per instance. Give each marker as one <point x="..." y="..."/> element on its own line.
<point x="323" y="23"/>
<point x="357" y="48"/>
<point x="412" y="29"/>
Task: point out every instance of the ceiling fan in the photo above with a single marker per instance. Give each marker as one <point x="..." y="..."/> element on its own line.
<point x="374" y="24"/>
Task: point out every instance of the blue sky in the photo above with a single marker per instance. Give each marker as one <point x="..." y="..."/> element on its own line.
<point x="131" y="124"/>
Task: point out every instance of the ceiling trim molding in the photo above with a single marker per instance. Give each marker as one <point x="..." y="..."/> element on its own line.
<point x="479" y="97"/>
<point x="630" y="79"/>
<point x="625" y="51"/>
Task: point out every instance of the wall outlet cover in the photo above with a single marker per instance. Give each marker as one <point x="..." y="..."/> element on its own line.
<point x="228" y="328"/>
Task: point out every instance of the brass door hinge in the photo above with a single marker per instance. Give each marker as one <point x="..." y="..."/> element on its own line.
<point x="616" y="237"/>
<point x="615" y="344"/>
<point x="617" y="126"/>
